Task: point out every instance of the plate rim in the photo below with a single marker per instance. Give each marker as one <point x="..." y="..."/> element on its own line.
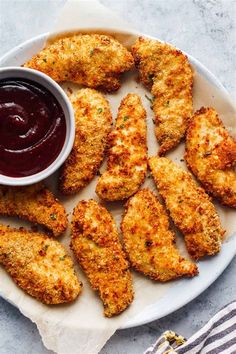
<point x="215" y="81"/>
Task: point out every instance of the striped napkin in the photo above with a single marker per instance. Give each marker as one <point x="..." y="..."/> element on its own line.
<point x="218" y="336"/>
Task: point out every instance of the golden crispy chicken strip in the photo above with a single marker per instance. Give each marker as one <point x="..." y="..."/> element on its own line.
<point x="166" y="71"/>
<point x="93" y="60"/>
<point x="34" y="203"/>
<point x="211" y="155"/>
<point x="93" y="123"/>
<point x="127" y="161"/>
<point x="96" y="245"/>
<point x="149" y="242"/>
<point x="39" y="265"/>
<point x="190" y="207"/>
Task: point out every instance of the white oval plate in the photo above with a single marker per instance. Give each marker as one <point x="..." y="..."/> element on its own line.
<point x="182" y="291"/>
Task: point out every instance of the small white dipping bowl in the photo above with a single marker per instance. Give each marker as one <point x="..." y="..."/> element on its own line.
<point x="63" y="100"/>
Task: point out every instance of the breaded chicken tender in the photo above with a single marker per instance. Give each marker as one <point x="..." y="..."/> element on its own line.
<point x="96" y="245"/>
<point x="93" y="123"/>
<point x="34" y="203"/>
<point x="39" y="265"/>
<point x="127" y="161"/>
<point x="166" y="71"/>
<point x="93" y="60"/>
<point x="190" y="208"/>
<point x="211" y="155"/>
<point x="149" y="242"/>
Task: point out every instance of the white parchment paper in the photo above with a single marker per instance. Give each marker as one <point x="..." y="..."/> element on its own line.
<point x="81" y="328"/>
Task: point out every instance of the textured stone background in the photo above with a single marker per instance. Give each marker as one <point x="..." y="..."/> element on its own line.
<point x="205" y="29"/>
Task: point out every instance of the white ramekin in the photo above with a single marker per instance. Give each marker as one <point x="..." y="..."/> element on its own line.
<point x="60" y="95"/>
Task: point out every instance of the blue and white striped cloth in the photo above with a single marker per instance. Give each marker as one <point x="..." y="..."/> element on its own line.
<point x="218" y="336"/>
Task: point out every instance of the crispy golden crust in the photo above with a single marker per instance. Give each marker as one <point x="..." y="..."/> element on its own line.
<point x="39" y="265"/>
<point x="93" y="60"/>
<point x="127" y="162"/>
<point x="211" y="155"/>
<point x="36" y="204"/>
<point x="95" y="242"/>
<point x="167" y="73"/>
<point x="93" y="123"/>
<point x="190" y="207"/>
<point x="149" y="242"/>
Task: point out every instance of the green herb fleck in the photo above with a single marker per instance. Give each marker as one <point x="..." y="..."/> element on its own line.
<point x="125" y="118"/>
<point x="53" y="62"/>
<point x="208" y="153"/>
<point x="150" y="99"/>
<point x="91" y="52"/>
<point x="99" y="173"/>
<point x="121" y="126"/>
<point x="62" y="258"/>
<point x="150" y="77"/>
<point x="99" y="110"/>
<point x="182" y="160"/>
<point x="45" y="247"/>
<point x="180" y="201"/>
<point x="153" y="121"/>
<point x="166" y="104"/>
<point x="53" y="216"/>
<point x="45" y="60"/>
<point x="148" y="243"/>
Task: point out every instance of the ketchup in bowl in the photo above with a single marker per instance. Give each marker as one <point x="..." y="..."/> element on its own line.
<point x="32" y="128"/>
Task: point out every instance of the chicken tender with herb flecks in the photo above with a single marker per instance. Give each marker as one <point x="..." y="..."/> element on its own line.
<point x="190" y="207"/>
<point x="127" y="155"/>
<point x="211" y="155"/>
<point x="39" y="265"/>
<point x="96" y="245"/>
<point x="34" y="203"/>
<point x="93" y="60"/>
<point x="166" y="71"/>
<point x="149" y="242"/>
<point x="93" y="123"/>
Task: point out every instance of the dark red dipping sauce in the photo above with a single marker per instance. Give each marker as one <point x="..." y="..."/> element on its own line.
<point x="32" y="128"/>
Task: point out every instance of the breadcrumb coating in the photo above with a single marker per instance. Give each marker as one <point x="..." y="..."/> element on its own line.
<point x="149" y="242"/>
<point x="34" y="203"/>
<point x="95" y="242"/>
<point x="93" y="60"/>
<point x="166" y="71"/>
<point x="211" y="155"/>
<point x="190" y="207"/>
<point x="93" y="123"/>
<point x="127" y="155"/>
<point x="39" y="265"/>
